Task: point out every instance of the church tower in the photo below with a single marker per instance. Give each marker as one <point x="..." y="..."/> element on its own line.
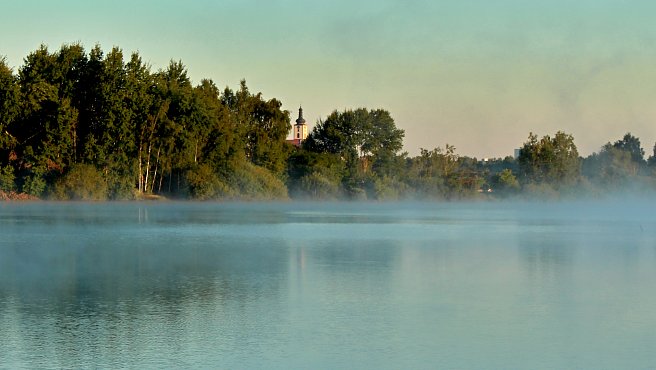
<point x="300" y="131"/>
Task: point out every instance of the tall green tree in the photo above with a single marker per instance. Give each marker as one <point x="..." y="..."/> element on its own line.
<point x="139" y="100"/>
<point x="652" y="158"/>
<point x="611" y="168"/>
<point x="616" y="165"/>
<point x="382" y="141"/>
<point x="441" y="173"/>
<point x="47" y="128"/>
<point x="315" y="175"/>
<point x="9" y="108"/>
<point x="262" y="124"/>
<point x="368" y="142"/>
<point x="550" y="160"/>
<point x="428" y="172"/>
<point x="631" y="144"/>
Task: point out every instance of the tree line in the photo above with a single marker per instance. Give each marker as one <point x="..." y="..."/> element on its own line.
<point x="95" y="125"/>
<point x="78" y="125"/>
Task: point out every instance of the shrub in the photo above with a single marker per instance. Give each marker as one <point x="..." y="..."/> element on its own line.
<point x="81" y="182"/>
<point x="203" y="183"/>
<point x="540" y="190"/>
<point x="34" y="185"/>
<point x="7" y="179"/>
<point x="388" y="188"/>
<point x="251" y="182"/>
<point x="316" y="185"/>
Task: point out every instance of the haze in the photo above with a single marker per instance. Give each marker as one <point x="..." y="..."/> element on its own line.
<point x="479" y="75"/>
<point x="482" y="285"/>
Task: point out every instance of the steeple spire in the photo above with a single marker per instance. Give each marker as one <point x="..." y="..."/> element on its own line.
<point x="300" y="120"/>
<point x="300" y="129"/>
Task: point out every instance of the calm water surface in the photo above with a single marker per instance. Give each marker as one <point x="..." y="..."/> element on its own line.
<point x="310" y="286"/>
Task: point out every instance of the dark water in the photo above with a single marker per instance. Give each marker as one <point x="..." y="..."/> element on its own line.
<point x="307" y="286"/>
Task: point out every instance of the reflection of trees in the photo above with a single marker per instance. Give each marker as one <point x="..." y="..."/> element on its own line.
<point x="104" y="293"/>
<point x="165" y="252"/>
<point x="542" y="256"/>
<point x="156" y="269"/>
<point x="355" y="254"/>
<point x="341" y="270"/>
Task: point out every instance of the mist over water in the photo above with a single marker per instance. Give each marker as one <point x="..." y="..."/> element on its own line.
<point x="328" y="285"/>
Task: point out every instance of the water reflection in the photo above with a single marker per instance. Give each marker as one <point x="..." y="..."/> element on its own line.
<point x="116" y="286"/>
<point x="325" y="286"/>
<point x="549" y="257"/>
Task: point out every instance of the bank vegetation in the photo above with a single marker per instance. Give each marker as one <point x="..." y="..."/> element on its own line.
<point x="96" y="125"/>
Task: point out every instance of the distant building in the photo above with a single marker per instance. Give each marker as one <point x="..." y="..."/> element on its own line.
<point x="517" y="153"/>
<point x="300" y="130"/>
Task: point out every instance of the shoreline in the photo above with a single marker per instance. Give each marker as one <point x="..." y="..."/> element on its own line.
<point x="13" y="196"/>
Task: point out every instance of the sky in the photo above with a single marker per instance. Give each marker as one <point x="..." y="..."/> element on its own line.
<point x="477" y="74"/>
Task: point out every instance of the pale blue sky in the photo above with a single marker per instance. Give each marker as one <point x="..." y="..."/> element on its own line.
<point x="478" y="74"/>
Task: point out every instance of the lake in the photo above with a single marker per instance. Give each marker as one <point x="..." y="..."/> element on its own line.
<point x="328" y="285"/>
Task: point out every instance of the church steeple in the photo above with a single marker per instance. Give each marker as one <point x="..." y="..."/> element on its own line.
<point x="300" y="120"/>
<point x="300" y="131"/>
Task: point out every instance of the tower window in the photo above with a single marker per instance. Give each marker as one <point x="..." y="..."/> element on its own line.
<point x="298" y="135"/>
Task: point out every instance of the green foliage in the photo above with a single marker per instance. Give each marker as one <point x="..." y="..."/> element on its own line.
<point x="651" y="162"/>
<point x="505" y="182"/>
<point x="91" y="125"/>
<point x="120" y="180"/>
<point x="315" y="175"/>
<point x="262" y="125"/>
<point x="388" y="188"/>
<point x="631" y="145"/>
<point x="540" y="190"/>
<point x="318" y="185"/>
<point x="204" y="183"/>
<point x="7" y="179"/>
<point x="81" y="182"/>
<point x="34" y="185"/>
<point x="146" y="132"/>
<point x="550" y="160"/>
<point x="431" y="173"/>
<point x="251" y="182"/>
<point x="244" y="181"/>
<point x="9" y="105"/>
<point x="367" y="141"/>
<point x="612" y="168"/>
<point x="464" y="184"/>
